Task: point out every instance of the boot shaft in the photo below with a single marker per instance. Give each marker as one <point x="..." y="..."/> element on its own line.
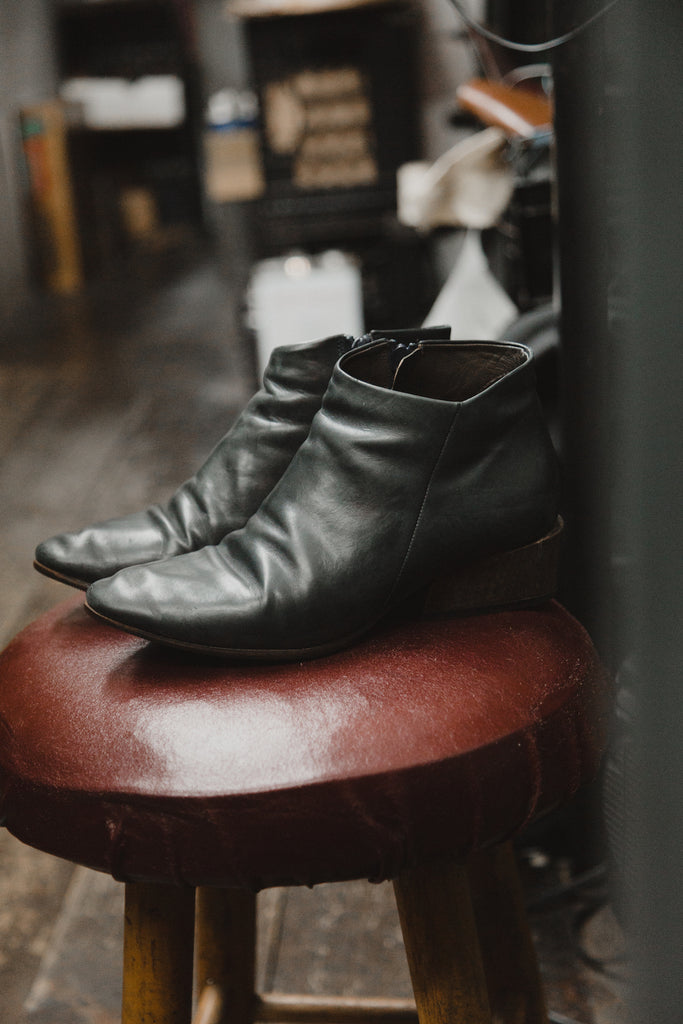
<point x="474" y="432"/>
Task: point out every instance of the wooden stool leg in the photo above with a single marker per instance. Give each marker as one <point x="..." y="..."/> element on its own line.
<point x="514" y="982"/>
<point x="442" y="946"/>
<point x="157" y="954"/>
<point x="225" y="942"/>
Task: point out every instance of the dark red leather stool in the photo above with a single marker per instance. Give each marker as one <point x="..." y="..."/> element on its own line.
<point x="414" y="756"/>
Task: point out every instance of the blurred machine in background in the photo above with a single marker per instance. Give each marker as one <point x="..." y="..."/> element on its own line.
<point x="129" y="73"/>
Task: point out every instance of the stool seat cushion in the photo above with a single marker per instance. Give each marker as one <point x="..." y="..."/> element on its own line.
<point x="429" y="739"/>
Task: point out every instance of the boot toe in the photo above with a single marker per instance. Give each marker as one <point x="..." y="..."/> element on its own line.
<point x="99" y="551"/>
<point x="121" y="600"/>
<point x="192" y="601"/>
<point x="152" y="601"/>
<point x="62" y="557"/>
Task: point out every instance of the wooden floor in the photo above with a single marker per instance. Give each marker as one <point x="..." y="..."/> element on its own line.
<point x="109" y="401"/>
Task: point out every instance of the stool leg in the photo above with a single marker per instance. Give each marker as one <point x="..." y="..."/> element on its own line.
<point x="514" y="982"/>
<point x="442" y="946"/>
<point x="225" y="942"/>
<point x="157" y="954"/>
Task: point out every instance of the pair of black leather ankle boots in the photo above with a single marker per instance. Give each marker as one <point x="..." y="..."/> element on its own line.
<point x="401" y="471"/>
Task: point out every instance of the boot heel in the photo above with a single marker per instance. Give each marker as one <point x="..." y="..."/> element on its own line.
<point x="521" y="576"/>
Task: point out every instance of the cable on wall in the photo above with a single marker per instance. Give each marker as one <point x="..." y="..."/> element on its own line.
<point x="549" y="44"/>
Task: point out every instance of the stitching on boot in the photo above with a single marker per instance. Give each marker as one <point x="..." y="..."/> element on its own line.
<point x="435" y="467"/>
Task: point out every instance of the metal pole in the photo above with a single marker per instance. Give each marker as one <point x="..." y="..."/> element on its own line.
<point x="620" y="162"/>
<point x="582" y="258"/>
<point x="648" y="496"/>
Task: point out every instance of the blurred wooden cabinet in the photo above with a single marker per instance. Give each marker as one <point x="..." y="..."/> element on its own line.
<point x="129" y="74"/>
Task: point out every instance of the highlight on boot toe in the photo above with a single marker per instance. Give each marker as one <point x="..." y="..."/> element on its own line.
<point x="50" y="561"/>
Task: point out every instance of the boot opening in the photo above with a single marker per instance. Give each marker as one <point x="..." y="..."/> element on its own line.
<point x="455" y="373"/>
<point x="447" y="372"/>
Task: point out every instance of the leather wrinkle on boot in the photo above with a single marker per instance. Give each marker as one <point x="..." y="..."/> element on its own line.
<point x="240" y="470"/>
<point x="238" y="473"/>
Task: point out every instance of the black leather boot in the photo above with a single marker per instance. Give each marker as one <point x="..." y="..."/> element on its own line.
<point x="236" y="477"/>
<point x="427" y="463"/>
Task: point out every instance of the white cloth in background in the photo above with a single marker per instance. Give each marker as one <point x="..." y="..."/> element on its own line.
<point x="471" y="300"/>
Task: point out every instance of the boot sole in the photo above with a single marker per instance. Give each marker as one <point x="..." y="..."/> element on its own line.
<point x="60" y="577"/>
<point x="520" y="577"/>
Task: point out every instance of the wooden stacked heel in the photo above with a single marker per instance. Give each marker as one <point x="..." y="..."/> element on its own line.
<point x="522" y="576"/>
